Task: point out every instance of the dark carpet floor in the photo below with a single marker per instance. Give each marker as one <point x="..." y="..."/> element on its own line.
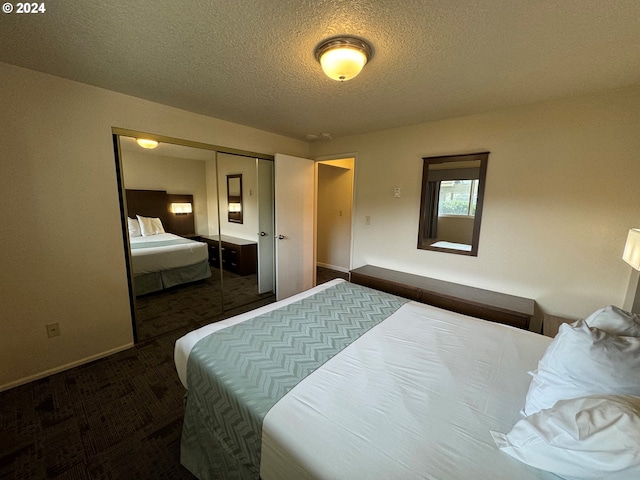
<point x="325" y="274"/>
<point x="194" y="303"/>
<point x="116" y="418"/>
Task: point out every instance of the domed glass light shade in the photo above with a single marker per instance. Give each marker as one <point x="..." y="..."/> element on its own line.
<point x="342" y="58"/>
<point x="145" y="143"/>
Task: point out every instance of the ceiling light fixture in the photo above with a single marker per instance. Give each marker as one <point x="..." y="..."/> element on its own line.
<point x="342" y="58"/>
<point x="146" y="143"/>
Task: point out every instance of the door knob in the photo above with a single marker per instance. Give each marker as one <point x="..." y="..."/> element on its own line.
<point x="262" y="234"/>
<point x="280" y="237"/>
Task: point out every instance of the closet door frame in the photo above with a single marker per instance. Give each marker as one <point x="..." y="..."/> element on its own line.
<point x="116" y="134"/>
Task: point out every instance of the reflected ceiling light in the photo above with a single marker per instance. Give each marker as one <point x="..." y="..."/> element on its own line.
<point x="342" y="58"/>
<point x="146" y="143"/>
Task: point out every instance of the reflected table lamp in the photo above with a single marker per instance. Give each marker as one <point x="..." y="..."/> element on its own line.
<point x="181" y="208"/>
<point x="631" y="255"/>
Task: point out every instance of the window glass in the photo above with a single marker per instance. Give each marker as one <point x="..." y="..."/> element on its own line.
<point x="458" y="197"/>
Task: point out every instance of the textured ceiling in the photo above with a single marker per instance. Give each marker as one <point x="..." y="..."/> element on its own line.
<point x="252" y="62"/>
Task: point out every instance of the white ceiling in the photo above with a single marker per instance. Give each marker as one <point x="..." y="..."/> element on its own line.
<point x="252" y="62"/>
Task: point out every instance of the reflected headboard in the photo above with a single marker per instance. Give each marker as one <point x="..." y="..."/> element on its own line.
<point x="157" y="203"/>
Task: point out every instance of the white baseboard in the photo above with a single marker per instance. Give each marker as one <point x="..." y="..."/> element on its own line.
<point x="62" y="368"/>
<point x="332" y="267"/>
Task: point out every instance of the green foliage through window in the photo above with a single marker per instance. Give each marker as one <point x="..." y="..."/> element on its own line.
<point x="458" y="197"/>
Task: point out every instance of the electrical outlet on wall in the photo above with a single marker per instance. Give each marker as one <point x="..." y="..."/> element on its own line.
<point x="53" y="329"/>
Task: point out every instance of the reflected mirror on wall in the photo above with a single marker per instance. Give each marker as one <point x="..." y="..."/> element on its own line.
<point x="234" y="198"/>
<point x="451" y="203"/>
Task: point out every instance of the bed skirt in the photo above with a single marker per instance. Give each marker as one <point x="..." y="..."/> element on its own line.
<point x="156" y="281"/>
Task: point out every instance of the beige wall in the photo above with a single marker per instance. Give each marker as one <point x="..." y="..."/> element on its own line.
<point x="455" y="229"/>
<point x="246" y="166"/>
<point x="561" y="194"/>
<point x="211" y="174"/>
<point x="560" y="197"/>
<point x="62" y="252"/>
<point x="183" y="176"/>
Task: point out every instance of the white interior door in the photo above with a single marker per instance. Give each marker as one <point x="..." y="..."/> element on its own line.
<point x="266" y="248"/>
<point x="295" y="224"/>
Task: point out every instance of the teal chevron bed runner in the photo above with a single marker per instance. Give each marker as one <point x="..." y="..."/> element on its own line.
<point x="237" y="374"/>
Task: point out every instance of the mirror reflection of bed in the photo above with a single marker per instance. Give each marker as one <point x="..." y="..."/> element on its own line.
<point x="205" y="266"/>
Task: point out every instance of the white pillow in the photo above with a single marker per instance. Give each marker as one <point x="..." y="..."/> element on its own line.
<point x="615" y="321"/>
<point x="583" y="361"/>
<point x="584" y="438"/>
<point x="150" y="226"/>
<point x="134" y="227"/>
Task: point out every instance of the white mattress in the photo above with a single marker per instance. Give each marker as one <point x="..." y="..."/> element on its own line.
<point x="415" y="397"/>
<point x="157" y="259"/>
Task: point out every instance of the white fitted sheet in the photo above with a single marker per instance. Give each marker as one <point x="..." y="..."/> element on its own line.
<point x="415" y="397"/>
<point x="157" y="259"/>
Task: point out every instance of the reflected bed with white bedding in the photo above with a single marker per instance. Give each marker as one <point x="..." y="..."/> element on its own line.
<point x="403" y="390"/>
<point x="164" y="260"/>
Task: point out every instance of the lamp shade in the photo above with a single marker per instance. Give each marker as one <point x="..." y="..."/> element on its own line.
<point x="343" y="63"/>
<point x="631" y="253"/>
<point x="342" y="58"/>
<point x="181" y="208"/>
<point x="146" y="143"/>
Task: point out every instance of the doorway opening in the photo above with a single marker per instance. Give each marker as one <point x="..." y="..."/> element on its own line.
<point x="334" y="218"/>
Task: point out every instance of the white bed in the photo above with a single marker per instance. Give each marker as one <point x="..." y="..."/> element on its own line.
<point x="414" y="397"/>
<point x="165" y="257"/>
<point x="165" y="260"/>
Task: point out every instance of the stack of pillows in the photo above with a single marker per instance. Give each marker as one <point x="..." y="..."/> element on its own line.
<point x="144" y="226"/>
<point x="582" y="411"/>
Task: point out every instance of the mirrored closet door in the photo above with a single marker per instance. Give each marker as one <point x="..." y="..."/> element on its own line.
<point x="241" y="200"/>
<point x="193" y="220"/>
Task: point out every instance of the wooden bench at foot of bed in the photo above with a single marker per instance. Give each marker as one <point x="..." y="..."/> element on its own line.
<point x="475" y="302"/>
